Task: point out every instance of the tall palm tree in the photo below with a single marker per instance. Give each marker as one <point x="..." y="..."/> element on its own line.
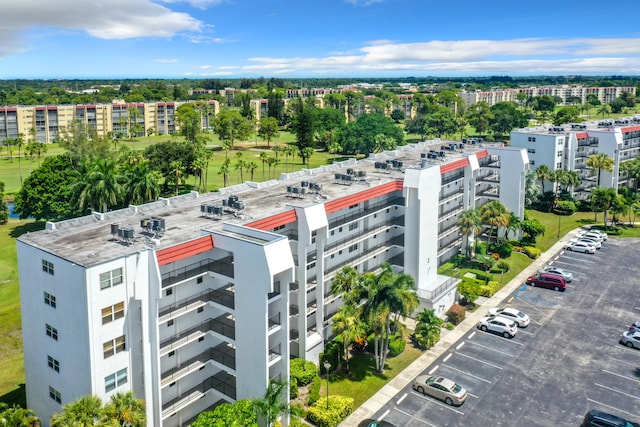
<point x="274" y="403"/>
<point x="84" y="412"/>
<point x="346" y="283"/>
<point x="495" y="215"/>
<point x="177" y="169"/>
<point x="347" y="326"/>
<point x="263" y="158"/>
<point x="632" y="169"/>
<point x="126" y="410"/>
<point x="470" y="225"/>
<point x="99" y="188"/>
<point x="600" y="162"/>
<point x="602" y="199"/>
<point x="142" y="184"/>
<point x="19" y="142"/>
<point x="251" y="167"/>
<point x="543" y="173"/>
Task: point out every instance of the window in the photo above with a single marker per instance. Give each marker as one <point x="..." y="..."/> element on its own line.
<point x="353" y="226"/>
<point x="53" y="363"/>
<point x="49" y="299"/>
<point x="559" y="153"/>
<point x="168" y="292"/>
<point x="52" y="332"/>
<point x="47" y="267"/>
<point x="113" y="347"/>
<point x="531" y="139"/>
<point x="170" y="323"/>
<point x="280" y="227"/>
<point x="353" y="206"/>
<point x="113" y="381"/>
<point x="199" y="280"/>
<point x="55" y="394"/>
<point x="353" y="248"/>
<point x="531" y="150"/>
<point x="532" y="162"/>
<point x="559" y="165"/>
<point x="171" y="354"/>
<point x="111" y="278"/>
<point x="113" y="312"/>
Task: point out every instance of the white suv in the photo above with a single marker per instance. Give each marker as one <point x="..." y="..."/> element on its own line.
<point x="498" y="324"/>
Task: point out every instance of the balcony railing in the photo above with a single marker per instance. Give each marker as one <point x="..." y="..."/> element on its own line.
<point x="223" y="296"/>
<point x="222" y="266"/>
<point x="343" y="219"/>
<point x="222" y="325"/>
<point x="275" y="352"/>
<point x="222" y="353"/>
<point x="442" y="289"/>
<point x="222" y="382"/>
<point x="274" y="321"/>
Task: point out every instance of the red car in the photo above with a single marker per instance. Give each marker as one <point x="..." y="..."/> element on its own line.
<point x="546" y="280"/>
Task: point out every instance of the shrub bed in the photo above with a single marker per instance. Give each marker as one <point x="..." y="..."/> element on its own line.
<point x="330" y="414"/>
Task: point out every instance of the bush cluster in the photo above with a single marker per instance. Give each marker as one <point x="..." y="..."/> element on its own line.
<point x="397" y="345"/>
<point x="339" y="408"/>
<point x="504" y="249"/>
<point x="489" y="289"/>
<point x="531" y="252"/>
<point x="314" y="390"/>
<point x="302" y="371"/>
<point x="456" y="314"/>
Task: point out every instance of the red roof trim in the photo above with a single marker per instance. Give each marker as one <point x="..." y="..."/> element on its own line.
<point x="582" y="135"/>
<point x="631" y="129"/>
<point x="274" y="221"/>
<point x="482" y="154"/>
<point x="354" y="199"/>
<point x="450" y="167"/>
<point x="184" y="250"/>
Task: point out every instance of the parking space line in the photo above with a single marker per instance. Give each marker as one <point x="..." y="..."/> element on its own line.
<point x="621" y="376"/>
<point x="522" y="331"/>
<point x="411" y="416"/>
<point x="509" y="340"/>
<point x="479" y="360"/>
<point x="469" y="374"/>
<point x="399" y="401"/>
<point x="612" y="407"/>
<point x="617" y="391"/>
<point x="624" y="361"/>
<point x="472" y="395"/>
<point x="460" y="345"/>
<point x="447" y="357"/>
<point x="437" y="402"/>
<point x="472" y="334"/>
<point x="492" y="349"/>
<point x="384" y="414"/>
<point x="433" y="370"/>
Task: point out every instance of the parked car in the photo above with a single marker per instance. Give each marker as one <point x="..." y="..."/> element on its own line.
<point x="595" y="418"/>
<point x="521" y="319"/>
<point x="500" y="325"/>
<point x="566" y="274"/>
<point x="595" y="232"/>
<point x="591" y="235"/>
<point x="581" y="247"/>
<point x="595" y="243"/>
<point x="375" y="423"/>
<point x="441" y="388"/>
<point x="547" y="280"/>
<point x="635" y="327"/>
<point x="630" y="339"/>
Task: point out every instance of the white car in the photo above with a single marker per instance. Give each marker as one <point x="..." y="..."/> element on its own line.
<point x="521" y="319"/>
<point x="630" y="339"/>
<point x="581" y="247"/>
<point x="595" y="243"/>
<point x="566" y="274"/>
<point x="498" y="324"/>
<point x="594" y="234"/>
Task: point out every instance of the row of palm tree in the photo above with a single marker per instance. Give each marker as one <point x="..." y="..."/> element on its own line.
<point x="493" y="214"/>
<point x="371" y="302"/>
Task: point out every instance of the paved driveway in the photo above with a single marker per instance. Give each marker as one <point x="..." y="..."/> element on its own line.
<point x="551" y="373"/>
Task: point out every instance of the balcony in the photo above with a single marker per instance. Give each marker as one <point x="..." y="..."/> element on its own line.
<point x="223" y="353"/>
<point x="222" y="325"/>
<point x="275" y="352"/>
<point x="274" y="321"/>
<point x="223" y="382"/>
<point x="440" y="290"/>
<point x="223" y="296"/>
<point x="446" y="179"/>
<point x="343" y="219"/>
<point x="222" y="266"/>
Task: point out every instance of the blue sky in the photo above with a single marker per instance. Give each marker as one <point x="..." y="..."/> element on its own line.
<point x="310" y="38"/>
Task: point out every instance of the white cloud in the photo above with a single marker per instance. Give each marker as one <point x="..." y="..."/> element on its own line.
<point x="166" y="61"/>
<point x="200" y="4"/>
<point x="115" y="19"/>
<point x="517" y="56"/>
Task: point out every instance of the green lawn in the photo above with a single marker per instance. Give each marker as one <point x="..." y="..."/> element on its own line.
<point x="364" y="381"/>
<point x="11" y="361"/>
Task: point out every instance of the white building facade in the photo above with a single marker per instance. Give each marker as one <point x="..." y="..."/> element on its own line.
<point x="203" y="298"/>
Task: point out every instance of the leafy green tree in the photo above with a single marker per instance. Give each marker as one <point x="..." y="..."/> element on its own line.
<point x="543" y="173"/>
<point x="532" y="228"/>
<point x="427" y="332"/>
<point x="161" y="154"/>
<point x="544" y="105"/>
<point x="600" y="162"/>
<point x="480" y="117"/>
<point x="4" y="207"/>
<point x="268" y="129"/>
<point x="632" y="169"/>
<point x="531" y="188"/>
<point x="99" y="187"/>
<point x="46" y="192"/>
<point x="359" y="137"/>
<point x="397" y="115"/>
<point x="470" y="224"/>
<point x="188" y="119"/>
<point x="617" y="106"/>
<point x="303" y="126"/>
<point x="506" y="117"/>
<point x="274" y="404"/>
<point x="602" y="199"/>
<point x="82" y="143"/>
<point x="230" y="126"/>
<point x="566" y="115"/>
<point x="347" y="326"/>
<point x="16" y="416"/>
<point x="237" y="414"/>
<point x="416" y="126"/>
<point x="126" y="410"/>
<point x="440" y="122"/>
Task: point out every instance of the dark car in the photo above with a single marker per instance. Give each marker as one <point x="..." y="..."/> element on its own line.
<point x="375" y="423"/>
<point x="547" y="280"/>
<point x="595" y="418"/>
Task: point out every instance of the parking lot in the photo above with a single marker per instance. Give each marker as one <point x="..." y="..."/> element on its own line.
<point x="567" y="361"/>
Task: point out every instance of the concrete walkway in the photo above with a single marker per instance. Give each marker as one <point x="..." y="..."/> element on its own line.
<point x="448" y="338"/>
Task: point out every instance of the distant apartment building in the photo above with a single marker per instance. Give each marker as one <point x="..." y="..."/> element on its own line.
<point x="569" y="146"/>
<point x="199" y="299"/>
<point x="564" y="92"/>
<point x="117" y="120"/>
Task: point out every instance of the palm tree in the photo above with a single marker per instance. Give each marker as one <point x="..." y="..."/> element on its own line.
<point x="345" y="282"/>
<point x="600" y="161"/>
<point x="224" y="171"/>
<point x="602" y="199"/>
<point x="126" y="410"/>
<point x="251" y="167"/>
<point x="263" y="158"/>
<point x="274" y="403"/>
<point x="239" y="166"/>
<point x="543" y="173"/>
<point x="84" y="412"/>
<point x="99" y="188"/>
<point x="177" y="169"/>
<point x="495" y="215"/>
<point x="427" y="331"/>
<point x="470" y="224"/>
<point x="604" y="110"/>
<point x="347" y="326"/>
<point x="142" y="184"/>
<point x="16" y="416"/>
<point x="632" y="169"/>
<point x="19" y="142"/>
<point x="334" y="149"/>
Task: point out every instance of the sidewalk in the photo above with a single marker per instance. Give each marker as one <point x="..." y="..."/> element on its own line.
<point x="448" y="338"/>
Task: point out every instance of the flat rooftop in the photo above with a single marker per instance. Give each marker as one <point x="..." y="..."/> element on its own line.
<point x="89" y="241"/>
<point x="592" y="125"/>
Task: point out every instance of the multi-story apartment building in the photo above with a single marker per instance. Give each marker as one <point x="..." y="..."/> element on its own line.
<point x="203" y="298"/>
<point x="118" y="119"/>
<point x="564" y="92"/>
<point x="569" y="146"/>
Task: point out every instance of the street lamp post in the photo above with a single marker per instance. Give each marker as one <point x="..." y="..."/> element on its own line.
<point x="327" y="366"/>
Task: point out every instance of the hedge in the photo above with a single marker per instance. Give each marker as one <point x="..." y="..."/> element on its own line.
<point x="339" y="408"/>
<point x="531" y="252"/>
<point x="396" y="346"/>
<point x="489" y="289"/>
<point x="302" y="371"/>
<point x="314" y="390"/>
